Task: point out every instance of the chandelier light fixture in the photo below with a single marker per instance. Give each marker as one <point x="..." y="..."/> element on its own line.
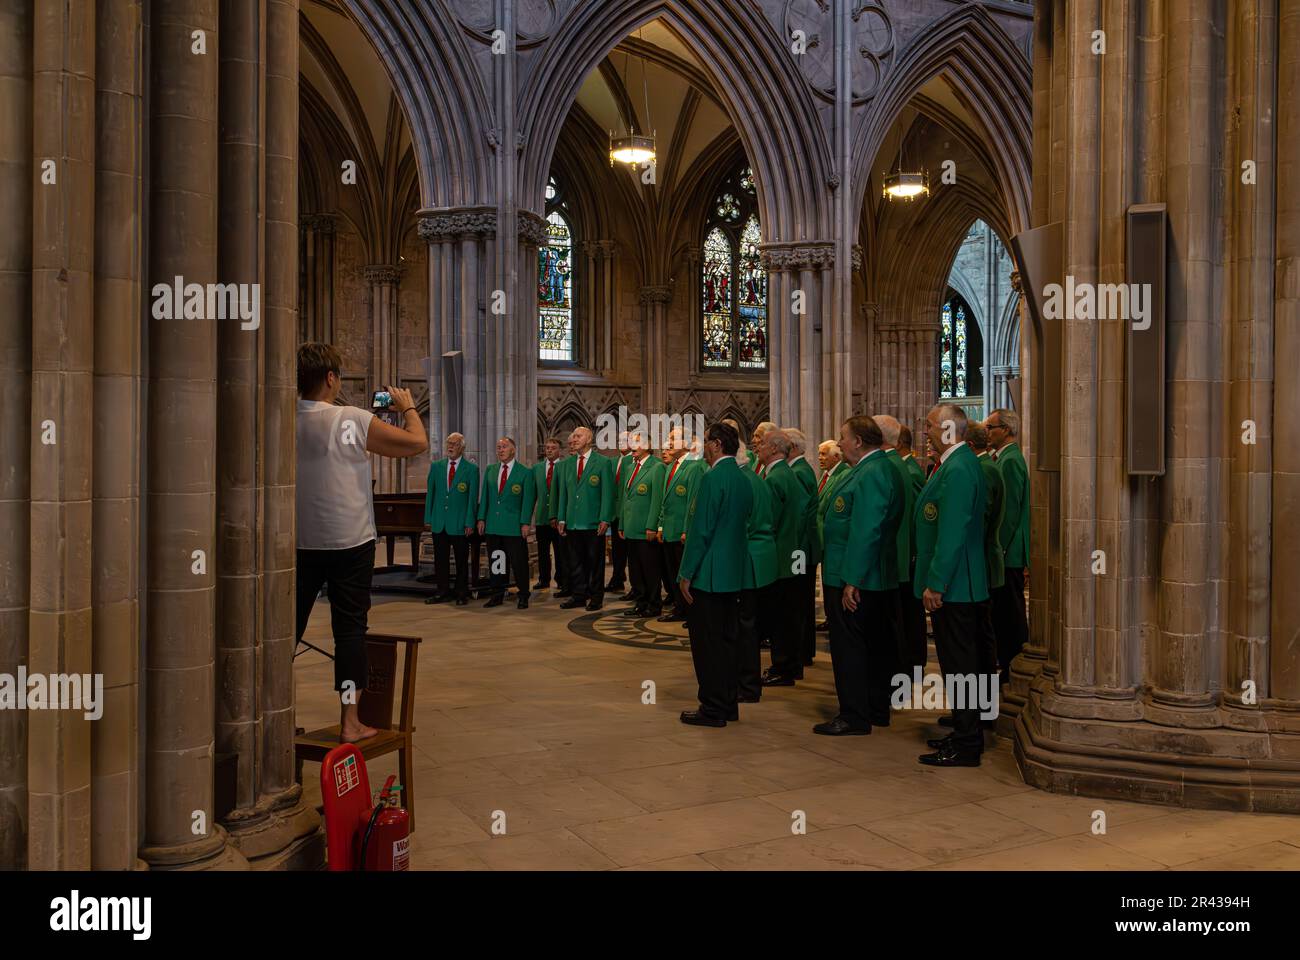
<point x="634" y="148"/>
<point x="900" y="184"/>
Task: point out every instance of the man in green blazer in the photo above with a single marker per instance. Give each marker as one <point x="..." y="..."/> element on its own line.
<point x="759" y="578"/>
<point x="583" y="514"/>
<point x="547" y="482"/>
<point x="681" y="475"/>
<point x="833" y="471"/>
<point x="712" y="575"/>
<point x="450" y="510"/>
<point x="642" y="498"/>
<point x="505" y="513"/>
<point x="807" y="610"/>
<point x="978" y="439"/>
<point x="617" y="545"/>
<point x="952" y="575"/>
<point x="782" y="601"/>
<point x="860" y="577"/>
<point x="1009" y="600"/>
<point x="912" y="640"/>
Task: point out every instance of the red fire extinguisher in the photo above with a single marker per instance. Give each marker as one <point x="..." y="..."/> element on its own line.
<point x="385" y="835"/>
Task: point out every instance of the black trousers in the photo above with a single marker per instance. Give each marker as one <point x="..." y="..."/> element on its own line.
<point x="586" y="565"/>
<point x="848" y="659"/>
<point x="878" y="611"/>
<point x="712" y="625"/>
<point x="749" y="656"/>
<point x="507" y="554"/>
<point x="644" y="568"/>
<point x="671" y="562"/>
<point x="779" y="608"/>
<point x="347" y="573"/>
<point x="914" y="650"/>
<point x="1009" y="619"/>
<point x="958" y="638"/>
<point x="444" y="546"/>
<point x="988" y="640"/>
<point x="617" y="556"/>
<point x="548" y="540"/>
<point x="808" y="613"/>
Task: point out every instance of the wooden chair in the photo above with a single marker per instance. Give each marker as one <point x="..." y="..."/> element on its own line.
<point x="376" y="710"/>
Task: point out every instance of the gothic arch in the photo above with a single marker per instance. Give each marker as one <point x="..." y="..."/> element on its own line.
<point x="991" y="76"/>
<point x="761" y="89"/>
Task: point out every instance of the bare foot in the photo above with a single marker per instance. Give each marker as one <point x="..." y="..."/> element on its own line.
<point x="351" y="734"/>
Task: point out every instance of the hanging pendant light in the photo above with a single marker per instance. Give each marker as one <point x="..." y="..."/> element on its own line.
<point x="900" y="184"/>
<point x="634" y="148"/>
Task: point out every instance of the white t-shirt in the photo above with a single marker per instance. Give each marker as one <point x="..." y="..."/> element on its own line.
<point x="335" y="507"/>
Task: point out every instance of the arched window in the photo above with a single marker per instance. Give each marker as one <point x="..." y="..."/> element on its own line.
<point x="961" y="350"/>
<point x="733" y="282"/>
<point x="555" y="282"/>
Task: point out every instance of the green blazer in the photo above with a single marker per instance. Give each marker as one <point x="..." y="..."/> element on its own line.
<point x="861" y="527"/>
<point x="762" y="563"/>
<point x="451" y="511"/>
<point x="586" y="505"/>
<point x="950" y="531"/>
<point x="547" y="499"/>
<point x="622" y="467"/>
<point x="505" y="512"/>
<point x="789" y="515"/>
<point x="917" y="474"/>
<point x="715" y="539"/>
<point x="677" y="497"/>
<point x="643" y="500"/>
<point x="804" y="471"/>
<point x="838" y="474"/>
<point x="993" y="515"/>
<point x="1014" y="535"/>
<point x="906" y="547"/>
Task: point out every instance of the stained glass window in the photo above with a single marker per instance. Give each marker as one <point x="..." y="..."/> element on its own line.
<point x="555" y="283"/>
<point x="952" y="350"/>
<point x="733" y="281"/>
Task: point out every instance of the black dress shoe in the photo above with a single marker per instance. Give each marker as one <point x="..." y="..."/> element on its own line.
<point x="808" y="662"/>
<point x="633" y="614"/>
<point x="823" y="627"/>
<point x="523" y="603"/>
<point x="653" y="612"/>
<point x="594" y="604"/>
<point x="630" y="595"/>
<point x="773" y="679"/>
<point x="697" y="719"/>
<point x="540" y="586"/>
<point x="949" y="755"/>
<point x="573" y="603"/>
<point x="462" y="601"/>
<point x="881" y="721"/>
<point x="672" y="617"/>
<point x="938" y="743"/>
<point x="946" y="721"/>
<point x="733" y="716"/>
<point x="495" y="602"/>
<point x="561" y="594"/>
<point x="765" y="644"/>
<point x="839" y="727"/>
<point x="747" y="699"/>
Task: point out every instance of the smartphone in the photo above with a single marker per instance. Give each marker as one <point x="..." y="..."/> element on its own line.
<point x="382" y="400"/>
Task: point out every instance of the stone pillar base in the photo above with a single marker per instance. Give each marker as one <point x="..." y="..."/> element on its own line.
<point x="272" y="835"/>
<point x="211" y="853"/>
<point x="1081" y="745"/>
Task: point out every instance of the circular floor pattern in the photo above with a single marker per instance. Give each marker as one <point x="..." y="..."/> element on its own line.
<point x="610" y="626"/>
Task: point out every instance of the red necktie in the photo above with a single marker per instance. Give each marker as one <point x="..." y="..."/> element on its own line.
<point x="632" y="479"/>
<point x="669" y="484"/>
<point x="502" y="485"/>
<point x="451" y="474"/>
<point x="550" y="468"/>
<point x="580" y="457"/>
<point x="825" y="477"/>
<point x="618" y="470"/>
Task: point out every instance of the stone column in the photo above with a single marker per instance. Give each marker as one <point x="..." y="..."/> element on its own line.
<point x="62" y="442"/>
<point x="609" y="305"/>
<point x="16" y="412"/>
<point x="521" y="411"/>
<point x="118" y="409"/>
<point x="182" y="416"/>
<point x="384" y="280"/>
<point x="317" y="300"/>
<point x="654" y="301"/>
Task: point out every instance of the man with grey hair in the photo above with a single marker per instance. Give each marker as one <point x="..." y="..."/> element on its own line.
<point x="807" y="581"/>
<point x="760" y="432"/>
<point x="910" y="624"/>
<point x="831" y="463"/>
<point x="952" y="577"/>
<point x="451" y="495"/>
<point x="1009" y="623"/>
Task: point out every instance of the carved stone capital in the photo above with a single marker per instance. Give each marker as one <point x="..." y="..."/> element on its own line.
<point x="451" y="223"/>
<point x="1015" y="281"/>
<point x="381" y="273"/>
<point x="319" y="222"/>
<point x="659" y="293"/>
<point x="801" y="255"/>
<point x="532" y="229"/>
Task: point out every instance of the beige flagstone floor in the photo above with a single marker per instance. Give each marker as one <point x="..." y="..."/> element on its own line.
<point x="515" y="713"/>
